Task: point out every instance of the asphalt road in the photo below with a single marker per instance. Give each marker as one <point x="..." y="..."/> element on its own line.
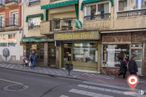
<point x="24" y="84"/>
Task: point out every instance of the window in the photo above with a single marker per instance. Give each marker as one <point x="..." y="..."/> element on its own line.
<point x="34" y="22"/>
<point x="56" y="24"/>
<point x="11" y="36"/>
<point x="2" y="2"/>
<point x="122" y="5"/>
<point x="112" y="53"/>
<point x="14" y="19"/>
<point x="97" y="10"/>
<point x="67" y="24"/>
<point x="33" y="2"/>
<point x="2" y="21"/>
<point x="85" y="52"/>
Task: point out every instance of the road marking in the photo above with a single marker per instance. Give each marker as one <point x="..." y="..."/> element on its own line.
<point x="100" y="89"/>
<point x="64" y="96"/>
<point x="10" y="81"/>
<point x="86" y="93"/>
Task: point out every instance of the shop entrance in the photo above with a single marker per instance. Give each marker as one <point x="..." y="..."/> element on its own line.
<point x="137" y="50"/>
<point x="51" y="56"/>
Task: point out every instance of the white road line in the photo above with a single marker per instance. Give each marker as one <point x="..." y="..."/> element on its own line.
<point x="10" y="81"/>
<point x="100" y="89"/>
<point x="110" y="86"/>
<point x="64" y="96"/>
<point x="87" y="93"/>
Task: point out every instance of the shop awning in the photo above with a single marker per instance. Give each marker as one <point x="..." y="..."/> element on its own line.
<point x="35" y="15"/>
<point x="60" y="4"/>
<point x="36" y="39"/>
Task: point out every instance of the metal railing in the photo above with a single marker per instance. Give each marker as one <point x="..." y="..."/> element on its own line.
<point x="131" y="13"/>
<point x="62" y="25"/>
<point x="98" y="17"/>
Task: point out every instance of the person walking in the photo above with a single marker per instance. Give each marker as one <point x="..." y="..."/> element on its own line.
<point x="123" y="67"/>
<point x="32" y="59"/>
<point x="132" y="66"/>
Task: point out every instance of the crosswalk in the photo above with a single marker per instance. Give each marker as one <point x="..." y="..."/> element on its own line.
<point x="89" y="90"/>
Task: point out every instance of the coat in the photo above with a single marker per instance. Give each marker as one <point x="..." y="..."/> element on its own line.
<point x="123" y="67"/>
<point x="132" y="66"/>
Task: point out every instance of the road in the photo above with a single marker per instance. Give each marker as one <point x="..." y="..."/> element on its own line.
<point x="23" y="84"/>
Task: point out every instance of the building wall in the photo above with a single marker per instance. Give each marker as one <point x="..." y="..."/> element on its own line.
<point x="31" y="10"/>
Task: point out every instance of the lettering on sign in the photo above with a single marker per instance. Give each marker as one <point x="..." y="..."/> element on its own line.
<point x="78" y="36"/>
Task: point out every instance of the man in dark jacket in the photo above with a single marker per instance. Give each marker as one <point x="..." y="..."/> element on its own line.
<point x="132" y="66"/>
<point x="123" y="68"/>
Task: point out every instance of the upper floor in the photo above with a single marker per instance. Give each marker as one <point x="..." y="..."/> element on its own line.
<point x="10" y="15"/>
<point x="66" y="15"/>
<point x="33" y="16"/>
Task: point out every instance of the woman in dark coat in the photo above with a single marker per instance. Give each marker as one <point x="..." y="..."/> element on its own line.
<point x="123" y="68"/>
<point x="132" y="66"/>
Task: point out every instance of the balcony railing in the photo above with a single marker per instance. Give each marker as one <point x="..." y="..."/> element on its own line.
<point x="9" y="24"/>
<point x="98" y="17"/>
<point x="132" y="13"/>
<point x="62" y="25"/>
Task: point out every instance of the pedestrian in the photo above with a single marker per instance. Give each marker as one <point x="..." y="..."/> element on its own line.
<point x="123" y="67"/>
<point x="132" y="66"/>
<point x="26" y="61"/>
<point x="32" y="59"/>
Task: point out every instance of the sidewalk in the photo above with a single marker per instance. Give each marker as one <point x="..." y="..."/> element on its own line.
<point x="89" y="77"/>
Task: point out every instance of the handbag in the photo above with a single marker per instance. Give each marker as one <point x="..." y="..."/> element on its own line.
<point x="29" y="64"/>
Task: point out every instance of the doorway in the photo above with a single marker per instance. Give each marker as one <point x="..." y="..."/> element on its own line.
<point x="51" y="56"/>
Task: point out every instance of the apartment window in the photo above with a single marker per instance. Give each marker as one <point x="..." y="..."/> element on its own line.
<point x="14" y="19"/>
<point x="67" y="24"/>
<point x="97" y="10"/>
<point x="2" y="2"/>
<point x="1" y="21"/>
<point x="33" y="2"/>
<point x="56" y="23"/>
<point x="122" y="5"/>
<point x="34" y="22"/>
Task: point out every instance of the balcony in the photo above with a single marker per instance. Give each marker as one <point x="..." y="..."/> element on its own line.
<point x="11" y="2"/>
<point x="131" y="19"/>
<point x="64" y="25"/>
<point x="45" y="27"/>
<point x="100" y="22"/>
<point x="9" y="24"/>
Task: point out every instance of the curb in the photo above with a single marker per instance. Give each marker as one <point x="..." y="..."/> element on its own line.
<point x="51" y="75"/>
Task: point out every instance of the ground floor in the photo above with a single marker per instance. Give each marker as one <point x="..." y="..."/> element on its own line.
<point x="115" y="45"/>
<point x="44" y="48"/>
<point x="11" y="51"/>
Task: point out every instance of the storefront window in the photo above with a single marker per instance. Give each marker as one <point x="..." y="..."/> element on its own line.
<point x="85" y="52"/>
<point x="112" y="53"/>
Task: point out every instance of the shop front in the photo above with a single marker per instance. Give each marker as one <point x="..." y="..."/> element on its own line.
<point x="116" y="45"/>
<point x="41" y="46"/>
<point x="81" y="48"/>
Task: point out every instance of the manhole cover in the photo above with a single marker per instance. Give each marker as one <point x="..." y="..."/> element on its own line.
<point x="15" y="87"/>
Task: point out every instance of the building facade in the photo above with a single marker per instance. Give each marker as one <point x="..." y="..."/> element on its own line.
<point x="32" y="38"/>
<point x="118" y="28"/>
<point x="11" y="50"/>
<point x="126" y="37"/>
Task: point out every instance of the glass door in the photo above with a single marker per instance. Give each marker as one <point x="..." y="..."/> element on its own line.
<point x="137" y="50"/>
<point x="52" y="55"/>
